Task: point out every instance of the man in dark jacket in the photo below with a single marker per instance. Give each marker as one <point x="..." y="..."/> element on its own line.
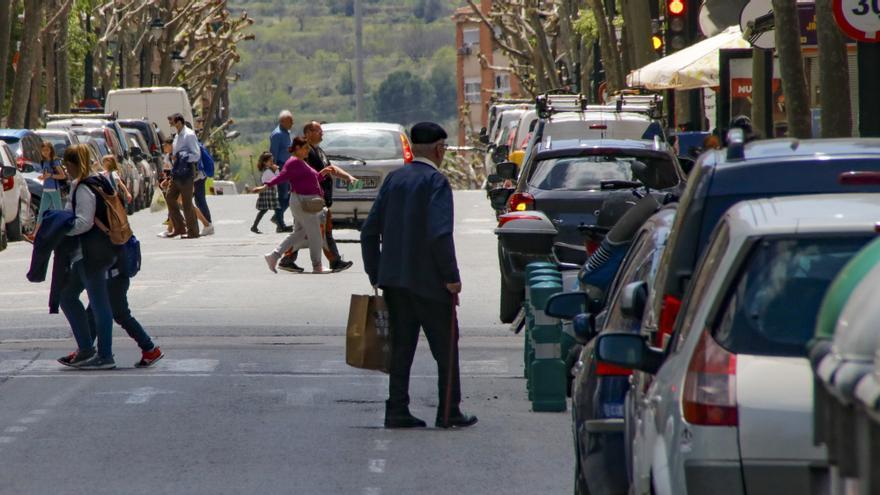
<point x="408" y="251"/>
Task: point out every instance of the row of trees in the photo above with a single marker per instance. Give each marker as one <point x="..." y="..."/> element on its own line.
<point x="71" y="50"/>
<point x="548" y="43"/>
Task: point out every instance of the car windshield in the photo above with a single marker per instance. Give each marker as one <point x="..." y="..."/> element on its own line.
<point x="59" y="142"/>
<point x="772" y="308"/>
<point x="577" y="173"/>
<point x="102" y="145"/>
<point x="364" y="144"/>
<point x="14" y="144"/>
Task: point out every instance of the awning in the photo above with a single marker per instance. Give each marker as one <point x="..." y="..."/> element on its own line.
<point x="691" y="68"/>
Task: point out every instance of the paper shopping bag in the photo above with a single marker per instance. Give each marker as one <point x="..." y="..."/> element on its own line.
<point x="158" y="202"/>
<point x="367" y="340"/>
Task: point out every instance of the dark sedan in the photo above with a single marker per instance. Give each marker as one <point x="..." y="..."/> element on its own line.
<point x="568" y="180"/>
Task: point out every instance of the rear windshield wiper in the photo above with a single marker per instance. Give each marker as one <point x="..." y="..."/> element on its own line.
<point x="346" y="157"/>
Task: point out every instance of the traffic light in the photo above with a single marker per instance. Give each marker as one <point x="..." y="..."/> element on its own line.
<point x="677" y="25"/>
<point x="657" y="36"/>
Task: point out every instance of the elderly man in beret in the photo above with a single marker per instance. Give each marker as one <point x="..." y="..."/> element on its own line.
<point x="409" y="253"/>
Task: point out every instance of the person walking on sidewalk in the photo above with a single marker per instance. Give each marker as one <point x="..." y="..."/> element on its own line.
<point x="279" y="146"/>
<point x="205" y="170"/>
<point x="268" y="198"/>
<point x="409" y="253"/>
<point x="93" y="255"/>
<point x="317" y="159"/>
<point x="305" y="184"/>
<point x="185" y="155"/>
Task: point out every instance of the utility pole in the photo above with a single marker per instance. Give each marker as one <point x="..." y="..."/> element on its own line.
<point x="359" y="61"/>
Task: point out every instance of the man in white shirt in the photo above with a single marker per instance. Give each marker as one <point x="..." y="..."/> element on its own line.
<point x="185" y="157"/>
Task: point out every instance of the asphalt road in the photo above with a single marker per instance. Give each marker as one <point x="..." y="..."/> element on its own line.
<point x="254" y="395"/>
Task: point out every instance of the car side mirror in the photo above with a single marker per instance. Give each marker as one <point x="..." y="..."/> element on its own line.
<point x="498" y="197"/>
<point x="633" y="298"/>
<point x="8" y="172"/>
<point x="628" y="350"/>
<point x="506" y="170"/>
<point x="484" y="136"/>
<point x="566" y="305"/>
<point x="584" y="326"/>
<point x="500" y="153"/>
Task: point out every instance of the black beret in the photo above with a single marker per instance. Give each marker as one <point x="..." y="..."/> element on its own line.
<point x="426" y="133"/>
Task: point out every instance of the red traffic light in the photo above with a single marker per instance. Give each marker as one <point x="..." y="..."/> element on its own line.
<point x="675" y="7"/>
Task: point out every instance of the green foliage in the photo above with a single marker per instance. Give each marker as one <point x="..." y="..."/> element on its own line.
<point x="404" y="98"/>
<point x="586" y="24"/>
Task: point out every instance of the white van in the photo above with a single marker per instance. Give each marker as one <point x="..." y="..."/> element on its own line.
<point x="153" y="104"/>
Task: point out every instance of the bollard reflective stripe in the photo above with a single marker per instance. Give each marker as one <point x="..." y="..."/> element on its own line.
<point x="548" y="351"/>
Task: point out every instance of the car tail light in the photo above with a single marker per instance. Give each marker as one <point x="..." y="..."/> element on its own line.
<point x="605" y="369"/>
<point x="509" y="217"/>
<point x="8" y="183"/>
<point x="598" y="127"/>
<point x="20" y="162"/>
<point x="155" y="149"/>
<point x="859" y="179"/>
<point x="666" y="322"/>
<point x="521" y="202"/>
<point x="592" y="246"/>
<point x="709" y="395"/>
<point x="407" y="150"/>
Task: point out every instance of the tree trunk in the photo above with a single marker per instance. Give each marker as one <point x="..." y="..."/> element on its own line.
<point x="21" y="88"/>
<point x="637" y="19"/>
<point x="36" y="98"/>
<point x="5" y="34"/>
<point x="759" y="92"/>
<point x="63" y="67"/>
<point x="791" y="66"/>
<point x="833" y="74"/>
<point x="608" y="46"/>
<point x="50" y="48"/>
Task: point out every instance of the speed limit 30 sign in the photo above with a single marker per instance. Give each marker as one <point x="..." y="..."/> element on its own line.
<point x="859" y="19"/>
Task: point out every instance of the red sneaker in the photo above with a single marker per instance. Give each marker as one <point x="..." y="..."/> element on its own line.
<point x="148" y="358"/>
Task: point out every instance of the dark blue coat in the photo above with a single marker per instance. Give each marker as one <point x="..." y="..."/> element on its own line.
<point x="406" y="240"/>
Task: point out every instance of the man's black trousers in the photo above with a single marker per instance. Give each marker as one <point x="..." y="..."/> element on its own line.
<point x="408" y="312"/>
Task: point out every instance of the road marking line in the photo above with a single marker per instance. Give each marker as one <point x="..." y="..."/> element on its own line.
<point x="372" y="490"/>
<point x="382" y="445"/>
<point x="485" y="366"/>
<point x="187" y="365"/>
<point x="377" y="466"/>
<point x="39" y="412"/>
<point x="7" y="439"/>
<point x="16" y="429"/>
<point x="28" y="420"/>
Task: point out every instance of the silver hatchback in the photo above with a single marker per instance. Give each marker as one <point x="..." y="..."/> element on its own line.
<point x="368" y="151"/>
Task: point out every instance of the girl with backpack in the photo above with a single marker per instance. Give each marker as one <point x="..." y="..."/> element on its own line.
<point x="111" y="173"/>
<point x="91" y="255"/>
<point x="268" y="198"/>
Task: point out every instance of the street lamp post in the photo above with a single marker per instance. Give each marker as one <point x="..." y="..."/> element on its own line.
<point x="88" y="65"/>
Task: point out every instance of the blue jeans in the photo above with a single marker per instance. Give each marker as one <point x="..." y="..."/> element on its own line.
<point x="200" y="199"/>
<point x="95" y="285"/>
<point x="118" y="292"/>
<point x="283" y="201"/>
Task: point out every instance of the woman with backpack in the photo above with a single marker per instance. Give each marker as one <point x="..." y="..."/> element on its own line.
<point x="92" y="255"/>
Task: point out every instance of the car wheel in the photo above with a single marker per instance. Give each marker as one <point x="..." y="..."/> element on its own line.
<point x="580" y="484"/>
<point x="511" y="302"/>
<point x="14" y="228"/>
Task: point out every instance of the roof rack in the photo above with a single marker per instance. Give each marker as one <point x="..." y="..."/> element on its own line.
<point x="510" y="101"/>
<point x="81" y="114"/>
<point x="547" y="104"/>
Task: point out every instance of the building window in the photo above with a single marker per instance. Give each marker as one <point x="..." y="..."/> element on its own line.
<point x="502" y="84"/>
<point x="472" y="90"/>
<point x="471" y="38"/>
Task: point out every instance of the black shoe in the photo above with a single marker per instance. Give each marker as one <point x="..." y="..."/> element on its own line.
<point x="288" y="265"/>
<point x="340" y="264"/>
<point x="74" y="359"/>
<point x="457" y="419"/>
<point x="400" y="417"/>
<point x="286" y="228"/>
<point x="97" y="363"/>
<point x="255" y="230"/>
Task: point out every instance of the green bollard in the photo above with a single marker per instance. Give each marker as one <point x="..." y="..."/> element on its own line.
<point x="547" y="371"/>
<point x="542" y="275"/>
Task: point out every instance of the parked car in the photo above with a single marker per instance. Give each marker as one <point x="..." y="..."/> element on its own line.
<point x="780" y="167"/>
<point x="141" y="157"/>
<point x="730" y="402"/>
<point x="105" y="139"/>
<point x="598" y="389"/>
<point x="5" y="173"/>
<point x="20" y="212"/>
<point x="59" y="138"/>
<point x="568" y="180"/>
<point x="368" y="151"/>
<point x="842" y="353"/>
<point x="150" y="134"/>
<point x="25" y="146"/>
<point x="501" y="117"/>
<point x="154" y="104"/>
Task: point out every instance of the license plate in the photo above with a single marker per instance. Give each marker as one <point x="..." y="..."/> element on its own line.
<point x="371" y="182"/>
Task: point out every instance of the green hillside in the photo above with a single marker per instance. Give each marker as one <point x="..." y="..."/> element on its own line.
<point x="302" y="60"/>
